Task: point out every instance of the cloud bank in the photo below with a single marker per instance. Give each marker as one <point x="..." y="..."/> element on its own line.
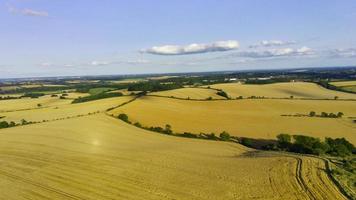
<point x="193" y="48"/>
<point x="271" y="43"/>
<point x="27" y="12"/>
<point x="282" y="52"/>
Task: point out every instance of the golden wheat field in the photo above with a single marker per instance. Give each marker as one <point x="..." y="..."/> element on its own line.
<point x="28" y="103"/>
<point x="256" y="118"/>
<point x="191" y="93"/>
<point x="99" y="157"/>
<point x="282" y="90"/>
<point x="63" y="111"/>
<point x="344" y="83"/>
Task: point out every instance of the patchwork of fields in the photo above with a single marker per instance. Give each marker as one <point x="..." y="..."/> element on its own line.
<point x="282" y="90"/>
<point x="190" y="93"/>
<point x="79" y="151"/>
<point x="98" y="157"/>
<point x="255" y="118"/>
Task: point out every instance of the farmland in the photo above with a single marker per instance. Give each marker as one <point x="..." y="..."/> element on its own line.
<point x="282" y="90"/>
<point x="346" y="85"/>
<point x="97" y="157"/>
<point x="256" y="118"/>
<point x="189" y="93"/>
<point x="59" y="146"/>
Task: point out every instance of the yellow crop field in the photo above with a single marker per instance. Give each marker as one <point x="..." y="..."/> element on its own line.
<point x="192" y="93"/>
<point x="255" y="118"/>
<point x="64" y="111"/>
<point x="99" y="157"/>
<point x="28" y="103"/>
<point x="344" y="83"/>
<point x="282" y="90"/>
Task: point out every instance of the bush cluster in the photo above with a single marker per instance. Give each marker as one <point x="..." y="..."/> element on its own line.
<point x="96" y="97"/>
<point x="326" y="115"/>
<point x="311" y="145"/>
<point x="222" y="93"/>
<point x="224" y="136"/>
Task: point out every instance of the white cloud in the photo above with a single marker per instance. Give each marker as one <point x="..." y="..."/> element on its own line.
<point x="99" y="63"/>
<point x="137" y="62"/>
<point x="282" y="52"/>
<point x="193" y="48"/>
<point x="343" y="53"/>
<point x="46" y="64"/>
<point x="270" y="43"/>
<point x="27" y="12"/>
<point x="30" y="12"/>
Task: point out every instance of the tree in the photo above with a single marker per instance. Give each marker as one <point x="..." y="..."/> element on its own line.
<point x="246" y="141"/>
<point x="137" y="124"/>
<point x="23" y="122"/>
<point x="312" y="114"/>
<point x="324" y="114"/>
<point x="123" y="117"/>
<point x="222" y="93"/>
<point x="308" y="145"/>
<point x="168" y="129"/>
<point x="225" y="136"/>
<point x="336" y="97"/>
<point x="4" y="124"/>
<point x="339" y="147"/>
<point x="291" y="96"/>
<point x="284" y="140"/>
<point x="339" y="114"/>
<point x="39" y="105"/>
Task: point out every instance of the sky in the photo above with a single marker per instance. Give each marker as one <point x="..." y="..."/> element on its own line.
<point x="102" y="37"/>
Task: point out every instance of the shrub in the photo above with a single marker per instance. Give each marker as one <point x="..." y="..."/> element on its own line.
<point x="222" y="93"/>
<point x="308" y="145"/>
<point x="284" y="140"/>
<point x="123" y="117"/>
<point x="246" y="141"/>
<point x="95" y="97"/>
<point x="33" y="95"/>
<point x="339" y="114"/>
<point x="312" y="114"/>
<point x="339" y="147"/>
<point x="137" y="124"/>
<point x="324" y="114"/>
<point x="168" y="129"/>
<point x="4" y="124"/>
<point x="188" y="135"/>
<point x="225" y="136"/>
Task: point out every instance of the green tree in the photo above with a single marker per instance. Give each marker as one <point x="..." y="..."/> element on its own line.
<point x="168" y="129"/>
<point x="339" y="114"/>
<point x="225" y="136"/>
<point x="312" y="114"/>
<point x="123" y="117"/>
<point x="284" y="140"/>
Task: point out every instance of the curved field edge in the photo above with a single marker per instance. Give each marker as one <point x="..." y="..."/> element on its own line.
<point x="254" y="118"/>
<point x="97" y="157"/>
<point x="303" y="90"/>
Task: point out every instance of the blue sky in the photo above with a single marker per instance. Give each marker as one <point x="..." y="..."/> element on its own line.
<point x="88" y="37"/>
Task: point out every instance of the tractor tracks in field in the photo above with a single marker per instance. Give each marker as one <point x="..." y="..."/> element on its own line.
<point x="300" y="179"/>
<point x="44" y="187"/>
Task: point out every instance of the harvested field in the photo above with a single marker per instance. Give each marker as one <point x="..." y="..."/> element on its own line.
<point x="343" y="83"/>
<point x="282" y="90"/>
<point x="64" y="111"/>
<point x="192" y="93"/>
<point x="98" y="157"/>
<point x="255" y="118"/>
<point x="346" y="85"/>
<point x="28" y="103"/>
